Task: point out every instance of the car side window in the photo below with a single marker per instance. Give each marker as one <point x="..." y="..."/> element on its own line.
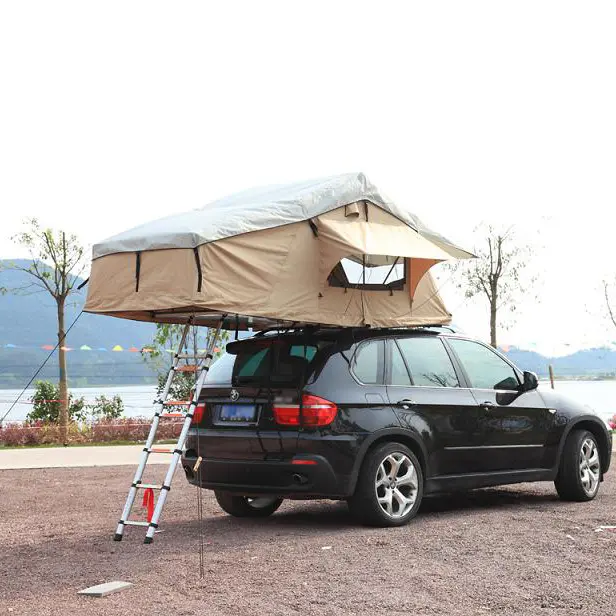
<point x="485" y="369"/>
<point x="428" y="362"/>
<point x="369" y="362"/>
<point x="399" y="373"/>
<point x="221" y="371"/>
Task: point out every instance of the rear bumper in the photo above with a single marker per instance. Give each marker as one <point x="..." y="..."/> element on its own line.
<point x="313" y="479"/>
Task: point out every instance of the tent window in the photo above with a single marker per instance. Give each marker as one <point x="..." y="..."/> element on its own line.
<point x="352" y="273"/>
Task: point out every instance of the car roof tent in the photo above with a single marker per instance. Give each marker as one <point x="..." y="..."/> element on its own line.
<point x="334" y="251"/>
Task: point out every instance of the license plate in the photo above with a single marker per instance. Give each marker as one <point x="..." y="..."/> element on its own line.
<point x="240" y="413"/>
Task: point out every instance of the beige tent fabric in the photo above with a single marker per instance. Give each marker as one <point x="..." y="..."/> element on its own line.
<point x="280" y="274"/>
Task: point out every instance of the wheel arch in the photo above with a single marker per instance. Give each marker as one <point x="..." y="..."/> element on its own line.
<point x="393" y="435"/>
<point x="598" y="430"/>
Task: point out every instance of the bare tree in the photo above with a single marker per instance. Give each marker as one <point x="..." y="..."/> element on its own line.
<point x="499" y="273"/>
<point x="56" y="261"/>
<point x="608" y="304"/>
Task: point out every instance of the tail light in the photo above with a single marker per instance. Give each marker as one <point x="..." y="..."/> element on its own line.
<point x="199" y="412"/>
<point x="315" y="411"/>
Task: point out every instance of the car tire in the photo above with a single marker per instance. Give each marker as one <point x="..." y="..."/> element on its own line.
<point x="389" y="488"/>
<point x="247" y="507"/>
<point x="579" y="473"/>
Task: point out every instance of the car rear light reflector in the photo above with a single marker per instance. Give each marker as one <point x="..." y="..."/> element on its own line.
<point x="199" y="412"/>
<point x="314" y="411"/>
<point x="304" y="462"/>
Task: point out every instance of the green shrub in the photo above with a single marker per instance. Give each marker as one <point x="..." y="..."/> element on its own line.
<point x="181" y="387"/>
<point x="107" y="408"/>
<point x="47" y="407"/>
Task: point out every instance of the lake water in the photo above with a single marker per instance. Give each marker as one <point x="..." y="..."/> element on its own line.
<point x="137" y="399"/>
<point x="601" y="395"/>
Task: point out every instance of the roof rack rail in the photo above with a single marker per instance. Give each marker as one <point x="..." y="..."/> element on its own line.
<point x="453" y="330"/>
<point x="300" y="328"/>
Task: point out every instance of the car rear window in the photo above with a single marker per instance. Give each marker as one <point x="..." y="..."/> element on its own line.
<point x="266" y="362"/>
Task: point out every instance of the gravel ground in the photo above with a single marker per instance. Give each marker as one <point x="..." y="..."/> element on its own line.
<point x="511" y="550"/>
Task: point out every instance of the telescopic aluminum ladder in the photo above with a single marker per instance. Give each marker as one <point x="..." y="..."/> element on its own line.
<point x="201" y="368"/>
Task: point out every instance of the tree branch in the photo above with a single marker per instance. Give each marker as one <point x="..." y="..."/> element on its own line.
<point x="607" y="303"/>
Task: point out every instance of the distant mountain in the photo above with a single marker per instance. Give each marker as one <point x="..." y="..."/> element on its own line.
<point x="31" y="319"/>
<point x="29" y="322"/>
<point x="599" y="362"/>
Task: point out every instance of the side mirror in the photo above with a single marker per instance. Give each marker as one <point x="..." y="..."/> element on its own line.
<point x="530" y="381"/>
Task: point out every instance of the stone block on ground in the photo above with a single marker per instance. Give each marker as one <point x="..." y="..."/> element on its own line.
<point x="102" y="590"/>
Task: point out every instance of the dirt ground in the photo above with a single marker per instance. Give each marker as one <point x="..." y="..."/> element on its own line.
<point x="515" y="550"/>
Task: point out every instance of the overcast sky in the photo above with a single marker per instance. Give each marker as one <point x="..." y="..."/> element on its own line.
<point x="113" y="113"/>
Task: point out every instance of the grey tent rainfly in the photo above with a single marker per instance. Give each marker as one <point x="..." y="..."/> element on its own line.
<point x="275" y="255"/>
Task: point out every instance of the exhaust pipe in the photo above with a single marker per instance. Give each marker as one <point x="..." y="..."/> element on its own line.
<point x="300" y="480"/>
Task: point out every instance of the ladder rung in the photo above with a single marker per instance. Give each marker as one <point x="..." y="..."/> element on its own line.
<point x="178" y="414"/>
<point x="190" y="368"/>
<point x="144" y="486"/>
<point x="136" y="523"/>
<point x="190" y="356"/>
<point x="176" y="403"/>
<point x="158" y="450"/>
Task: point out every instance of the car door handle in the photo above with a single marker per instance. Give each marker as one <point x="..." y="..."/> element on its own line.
<point x="487" y="405"/>
<point x="406" y="403"/>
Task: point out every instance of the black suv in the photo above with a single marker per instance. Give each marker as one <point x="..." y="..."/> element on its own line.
<point x="380" y="418"/>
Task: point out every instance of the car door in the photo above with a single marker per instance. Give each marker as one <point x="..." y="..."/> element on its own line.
<point x="515" y="424"/>
<point x="366" y="408"/>
<point x="425" y="392"/>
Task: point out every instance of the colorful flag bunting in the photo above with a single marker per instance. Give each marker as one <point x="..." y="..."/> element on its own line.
<point x="85" y="347"/>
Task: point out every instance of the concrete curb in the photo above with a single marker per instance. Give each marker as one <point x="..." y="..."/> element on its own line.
<point x="67" y="457"/>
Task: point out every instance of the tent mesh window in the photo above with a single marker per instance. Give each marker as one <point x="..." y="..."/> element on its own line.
<point x="357" y="273"/>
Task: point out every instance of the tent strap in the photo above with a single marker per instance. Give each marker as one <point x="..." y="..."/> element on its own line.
<point x="137" y="270"/>
<point x="199" y="272"/>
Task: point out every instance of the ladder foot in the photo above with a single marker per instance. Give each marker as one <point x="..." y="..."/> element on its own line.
<point x="148" y="540"/>
<point x="117" y="537"/>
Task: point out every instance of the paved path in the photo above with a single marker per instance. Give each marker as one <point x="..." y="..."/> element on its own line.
<point x="50" y="457"/>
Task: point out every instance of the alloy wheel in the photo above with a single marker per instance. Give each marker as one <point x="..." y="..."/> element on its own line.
<point x="396" y="485"/>
<point x="590" y="467"/>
